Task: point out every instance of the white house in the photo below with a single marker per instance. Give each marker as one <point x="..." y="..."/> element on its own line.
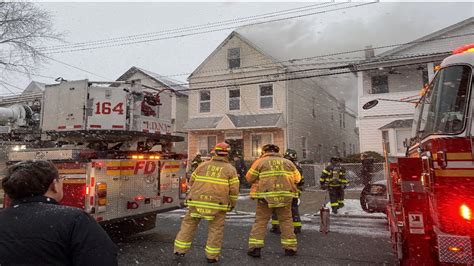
<point x="245" y="96"/>
<point x="400" y="74"/>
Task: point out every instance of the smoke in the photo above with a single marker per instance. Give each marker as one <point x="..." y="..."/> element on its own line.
<point x="353" y="29"/>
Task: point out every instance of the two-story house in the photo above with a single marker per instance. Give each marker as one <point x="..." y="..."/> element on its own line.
<point x="400" y="74"/>
<point x="245" y="96"/>
<point x="174" y="100"/>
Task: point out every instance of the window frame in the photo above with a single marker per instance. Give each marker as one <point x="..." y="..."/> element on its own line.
<point x="229" y="98"/>
<point x="209" y="148"/>
<point x="205" y="101"/>
<point x="372" y="89"/>
<point x="259" y="91"/>
<point x="251" y="142"/>
<point x="229" y="58"/>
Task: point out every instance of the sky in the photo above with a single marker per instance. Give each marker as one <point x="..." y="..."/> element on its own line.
<point x="334" y="31"/>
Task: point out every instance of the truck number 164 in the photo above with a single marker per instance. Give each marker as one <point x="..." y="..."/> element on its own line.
<point x="105" y="108"/>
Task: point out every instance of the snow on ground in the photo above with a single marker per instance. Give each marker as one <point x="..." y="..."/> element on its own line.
<point x="352" y="208"/>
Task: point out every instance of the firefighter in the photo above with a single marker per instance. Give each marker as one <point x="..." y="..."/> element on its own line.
<point x="214" y="190"/>
<point x="334" y="179"/>
<point x="196" y="162"/>
<point x="367" y="168"/>
<point x="292" y="156"/>
<point x="273" y="179"/>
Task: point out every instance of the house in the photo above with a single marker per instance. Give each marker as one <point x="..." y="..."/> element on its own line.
<point x="245" y="96"/>
<point x="34" y="87"/>
<point x="400" y="74"/>
<point x="174" y="99"/>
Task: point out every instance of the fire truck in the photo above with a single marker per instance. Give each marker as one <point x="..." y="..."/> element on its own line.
<point x="431" y="189"/>
<point x="108" y="142"/>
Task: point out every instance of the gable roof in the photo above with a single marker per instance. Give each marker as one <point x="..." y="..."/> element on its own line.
<point x="224" y="42"/>
<point x="34" y="87"/>
<point x="165" y="81"/>
<point x="428" y="37"/>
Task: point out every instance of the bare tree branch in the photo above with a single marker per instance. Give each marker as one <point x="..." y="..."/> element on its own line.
<point x="23" y="27"/>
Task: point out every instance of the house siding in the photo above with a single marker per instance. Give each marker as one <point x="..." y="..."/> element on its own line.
<point x="324" y="128"/>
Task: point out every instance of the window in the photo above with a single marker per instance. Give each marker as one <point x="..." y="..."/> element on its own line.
<point x="204" y="101"/>
<point x="403" y="136"/>
<point x="445" y="103"/>
<point x="344" y="151"/>
<point x="266" y="96"/>
<point x="385" y="141"/>
<point x="343" y="120"/>
<point x="206" y="144"/>
<point x="313" y="113"/>
<point x="233" y="57"/>
<point x="340" y="120"/>
<point x="234" y="99"/>
<point x="379" y="84"/>
<point x="258" y="140"/>
<point x="304" y="144"/>
<point x="332" y="114"/>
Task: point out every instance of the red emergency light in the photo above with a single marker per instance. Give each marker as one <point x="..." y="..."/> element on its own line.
<point x="464" y="49"/>
<point x="465" y="212"/>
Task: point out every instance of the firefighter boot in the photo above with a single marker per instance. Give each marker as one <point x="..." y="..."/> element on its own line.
<point x="255" y="252"/>
<point x="297" y="229"/>
<point x="334" y="210"/>
<point x="290" y="252"/>
<point x="211" y="261"/>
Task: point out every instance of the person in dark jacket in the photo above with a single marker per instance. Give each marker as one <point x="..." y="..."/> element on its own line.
<point x="35" y="229"/>
<point x="333" y="178"/>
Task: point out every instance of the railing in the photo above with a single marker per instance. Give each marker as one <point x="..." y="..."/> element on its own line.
<point x="355" y="173"/>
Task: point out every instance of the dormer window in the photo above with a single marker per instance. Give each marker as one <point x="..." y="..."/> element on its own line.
<point x="233" y="57"/>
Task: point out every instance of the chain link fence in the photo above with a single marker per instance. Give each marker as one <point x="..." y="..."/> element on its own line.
<point x="354" y="173"/>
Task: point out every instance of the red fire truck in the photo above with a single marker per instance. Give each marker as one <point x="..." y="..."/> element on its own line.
<point x="431" y="190"/>
<point x="109" y="142"/>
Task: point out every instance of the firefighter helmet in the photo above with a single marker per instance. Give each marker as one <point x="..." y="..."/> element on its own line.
<point x="335" y="159"/>
<point x="222" y="149"/>
<point x="270" y="148"/>
<point x="291" y="154"/>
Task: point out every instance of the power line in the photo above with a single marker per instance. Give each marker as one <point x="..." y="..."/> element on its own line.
<point x="206" y="31"/>
<point x="75" y="67"/>
<point x="11" y="85"/>
<point x="207" y="25"/>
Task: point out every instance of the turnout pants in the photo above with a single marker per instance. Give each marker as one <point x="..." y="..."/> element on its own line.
<point x="336" y="196"/>
<point x="259" y="228"/>
<point x="215" y="233"/>
<point x="295" y="214"/>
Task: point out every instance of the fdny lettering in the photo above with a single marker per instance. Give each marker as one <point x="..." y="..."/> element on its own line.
<point x="148" y="167"/>
<point x="276" y="165"/>
<point x="213" y="171"/>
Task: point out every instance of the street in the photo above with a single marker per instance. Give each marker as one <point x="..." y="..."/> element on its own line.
<point x="353" y="239"/>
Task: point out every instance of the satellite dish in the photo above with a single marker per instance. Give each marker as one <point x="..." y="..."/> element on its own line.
<point x="370" y="105"/>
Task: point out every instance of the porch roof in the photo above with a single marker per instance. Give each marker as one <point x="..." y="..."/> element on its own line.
<point x="261" y="120"/>
<point x="402" y="123"/>
<point x="203" y="122"/>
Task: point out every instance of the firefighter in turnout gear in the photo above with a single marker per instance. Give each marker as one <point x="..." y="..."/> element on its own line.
<point x="196" y="162"/>
<point x="334" y="179"/>
<point x="214" y="191"/>
<point x="292" y="156"/>
<point x="273" y="179"/>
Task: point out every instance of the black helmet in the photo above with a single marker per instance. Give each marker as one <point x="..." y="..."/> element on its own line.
<point x="335" y="159"/>
<point x="270" y="148"/>
<point x="290" y="154"/>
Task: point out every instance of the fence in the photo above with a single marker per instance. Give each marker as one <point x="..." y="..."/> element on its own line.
<point x="312" y="172"/>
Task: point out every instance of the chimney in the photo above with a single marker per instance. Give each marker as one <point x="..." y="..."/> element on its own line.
<point x="369" y="52"/>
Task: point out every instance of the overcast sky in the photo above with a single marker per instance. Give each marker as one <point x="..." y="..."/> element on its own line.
<point x="348" y="29"/>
